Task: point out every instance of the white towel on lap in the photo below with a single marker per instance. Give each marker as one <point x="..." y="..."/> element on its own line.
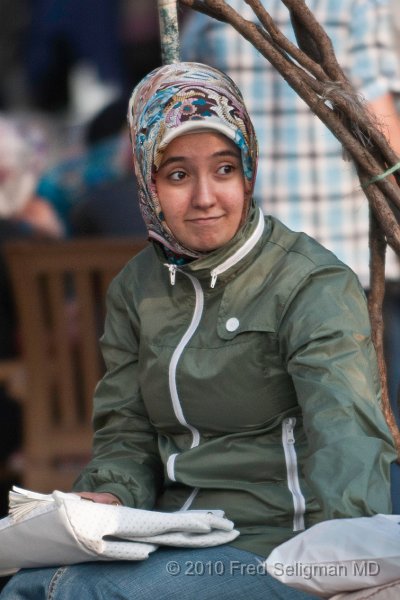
<point x="68" y="530"/>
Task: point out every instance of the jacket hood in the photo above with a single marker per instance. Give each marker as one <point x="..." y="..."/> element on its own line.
<point x="174" y="100"/>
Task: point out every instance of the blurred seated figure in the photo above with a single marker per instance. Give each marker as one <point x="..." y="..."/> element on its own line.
<point x="103" y="160"/>
<point x="110" y="204"/>
<point x="111" y="209"/>
<point x="23" y="156"/>
<point x="22" y="215"/>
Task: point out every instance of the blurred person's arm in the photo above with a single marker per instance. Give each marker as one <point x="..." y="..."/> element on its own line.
<point x="41" y="216"/>
<point x="373" y="65"/>
<point x="385" y="111"/>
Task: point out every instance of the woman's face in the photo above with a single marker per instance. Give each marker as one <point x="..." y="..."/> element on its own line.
<point x="202" y="190"/>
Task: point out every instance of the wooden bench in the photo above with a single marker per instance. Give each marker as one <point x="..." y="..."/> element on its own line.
<point x="59" y="289"/>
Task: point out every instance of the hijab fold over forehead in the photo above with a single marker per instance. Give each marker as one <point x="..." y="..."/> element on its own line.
<point x="174" y="100"/>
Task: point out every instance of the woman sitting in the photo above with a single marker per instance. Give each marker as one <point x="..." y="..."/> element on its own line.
<point x="240" y="370"/>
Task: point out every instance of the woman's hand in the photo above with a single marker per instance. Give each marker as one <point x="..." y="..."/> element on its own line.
<point x="102" y="498"/>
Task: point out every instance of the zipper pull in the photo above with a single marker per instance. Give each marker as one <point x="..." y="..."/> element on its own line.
<point x="289" y="426"/>
<point x="172" y="273"/>
<point x="214" y="276"/>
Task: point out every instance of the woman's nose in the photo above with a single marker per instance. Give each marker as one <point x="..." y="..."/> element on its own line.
<point x="203" y="193"/>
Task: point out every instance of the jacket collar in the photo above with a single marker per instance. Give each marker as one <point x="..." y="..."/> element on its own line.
<point x="241" y="252"/>
<point x="223" y="259"/>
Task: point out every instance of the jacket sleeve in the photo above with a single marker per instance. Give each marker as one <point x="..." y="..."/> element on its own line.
<point x="325" y="340"/>
<point x="126" y="460"/>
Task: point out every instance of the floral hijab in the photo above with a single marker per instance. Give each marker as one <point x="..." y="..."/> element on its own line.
<point x="174" y="100"/>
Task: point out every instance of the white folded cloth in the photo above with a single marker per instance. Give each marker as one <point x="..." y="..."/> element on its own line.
<point x="65" y="529"/>
<point x="339" y="556"/>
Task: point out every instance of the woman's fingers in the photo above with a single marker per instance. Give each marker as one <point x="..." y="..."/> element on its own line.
<point x="102" y="498"/>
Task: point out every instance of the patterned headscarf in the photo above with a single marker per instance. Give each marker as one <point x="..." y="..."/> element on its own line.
<point x="174" y="100"/>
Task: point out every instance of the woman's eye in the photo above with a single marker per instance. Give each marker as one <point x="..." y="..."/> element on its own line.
<point x="177" y="176"/>
<point x="226" y="169"/>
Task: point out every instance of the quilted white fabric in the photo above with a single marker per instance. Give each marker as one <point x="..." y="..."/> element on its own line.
<point x="70" y="530"/>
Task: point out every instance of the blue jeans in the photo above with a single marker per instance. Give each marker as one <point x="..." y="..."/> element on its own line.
<point x="219" y="573"/>
<point x="395" y="487"/>
<point x="391" y="319"/>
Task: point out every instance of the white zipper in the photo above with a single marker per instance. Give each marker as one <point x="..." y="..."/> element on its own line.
<point x="198" y="311"/>
<point x="172" y="273"/>
<point x="189" y="501"/>
<point x="241" y="252"/>
<point x="197" y="314"/>
<point x="288" y="443"/>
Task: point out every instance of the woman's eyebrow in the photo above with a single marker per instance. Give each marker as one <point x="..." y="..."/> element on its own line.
<point x="228" y="152"/>
<point x="171" y="160"/>
<point x="219" y="154"/>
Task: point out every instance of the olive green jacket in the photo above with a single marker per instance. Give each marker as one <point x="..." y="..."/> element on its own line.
<point x="244" y="381"/>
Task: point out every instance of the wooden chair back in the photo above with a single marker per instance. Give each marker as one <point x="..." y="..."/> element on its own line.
<point x="59" y="291"/>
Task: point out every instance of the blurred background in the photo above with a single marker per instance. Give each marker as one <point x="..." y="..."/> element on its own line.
<point x="67" y="68"/>
<point x="64" y="60"/>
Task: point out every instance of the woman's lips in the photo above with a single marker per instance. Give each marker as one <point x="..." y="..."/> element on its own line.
<point x="205" y="220"/>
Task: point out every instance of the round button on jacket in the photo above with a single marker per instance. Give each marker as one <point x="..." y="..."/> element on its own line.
<point x="232" y="324"/>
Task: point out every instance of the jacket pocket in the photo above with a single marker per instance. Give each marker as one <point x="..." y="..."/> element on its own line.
<point x="288" y="442"/>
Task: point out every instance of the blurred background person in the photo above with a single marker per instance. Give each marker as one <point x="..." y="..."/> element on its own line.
<point x="23" y="215"/>
<point x="99" y="158"/>
<point x="303" y="179"/>
<point x="108" y="204"/>
<point x="82" y="54"/>
<point x="94" y="190"/>
<point x="140" y="38"/>
<point x="23" y="157"/>
<point x="68" y="65"/>
<point x="53" y="51"/>
<point x="91" y="126"/>
<point x="73" y="34"/>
